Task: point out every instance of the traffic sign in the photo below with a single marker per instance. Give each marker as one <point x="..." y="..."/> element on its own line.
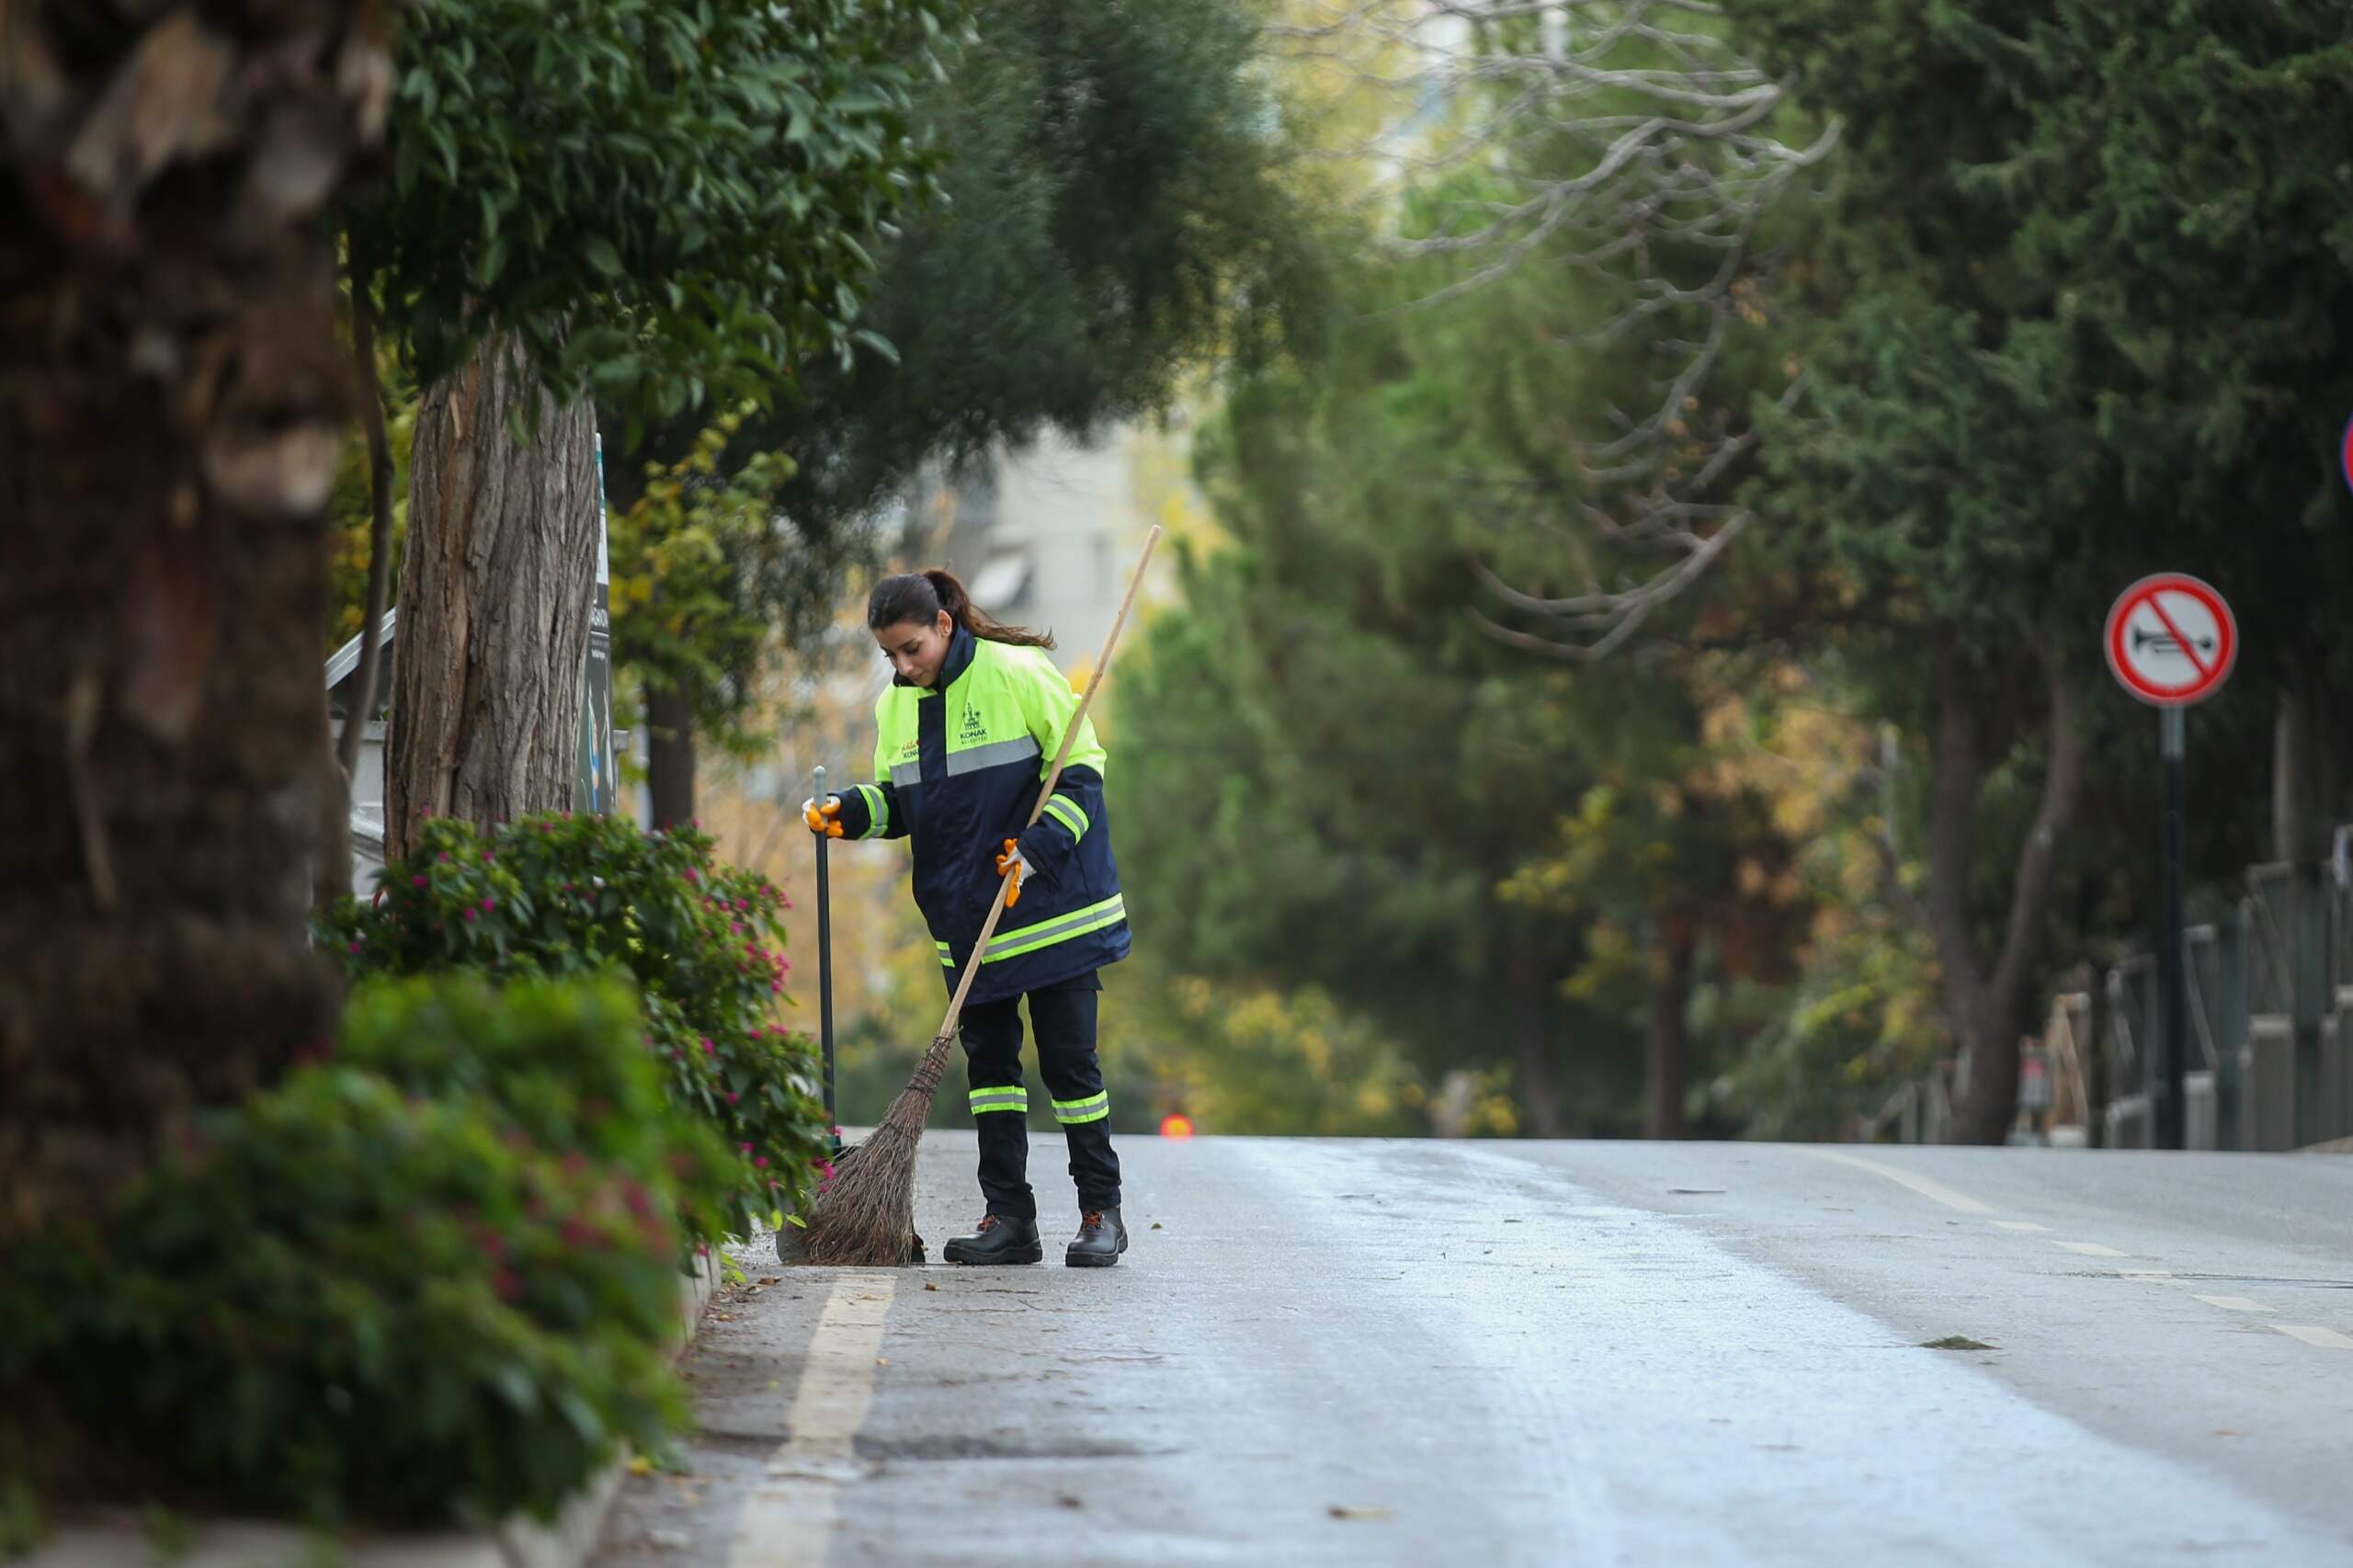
<point x="2171" y="639"/>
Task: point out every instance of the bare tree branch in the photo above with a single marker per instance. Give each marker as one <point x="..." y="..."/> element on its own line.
<point x="1628" y="143"/>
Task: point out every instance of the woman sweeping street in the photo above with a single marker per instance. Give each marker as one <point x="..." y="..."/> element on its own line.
<point x="964" y="736"/>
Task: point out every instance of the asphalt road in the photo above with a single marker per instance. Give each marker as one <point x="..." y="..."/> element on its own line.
<point x="1441" y="1353"/>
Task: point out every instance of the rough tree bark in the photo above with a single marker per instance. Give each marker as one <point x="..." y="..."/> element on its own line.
<point x="494" y="598"/>
<point x="1668" y="1060"/>
<point x="670" y="755"/>
<point x="171" y="401"/>
<point x="1989" y="1002"/>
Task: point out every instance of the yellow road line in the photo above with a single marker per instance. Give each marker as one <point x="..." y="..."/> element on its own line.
<point x="2234" y="1304"/>
<point x="2326" y="1338"/>
<point x="789" y="1518"/>
<point x="1936" y="1191"/>
<point x="2091" y="1249"/>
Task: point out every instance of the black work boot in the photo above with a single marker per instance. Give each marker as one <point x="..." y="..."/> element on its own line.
<point x="1000" y="1238"/>
<point x="1101" y="1239"/>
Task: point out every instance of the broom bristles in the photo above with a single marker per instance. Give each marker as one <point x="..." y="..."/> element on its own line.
<point x="866" y="1213"/>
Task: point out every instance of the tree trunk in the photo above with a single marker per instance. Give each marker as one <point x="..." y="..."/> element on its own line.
<point x="1990" y="1005"/>
<point x="1531" y="1009"/>
<point x="670" y="755"/>
<point x="171" y="398"/>
<point x="1667" y="1062"/>
<point x="332" y="880"/>
<point x="2304" y="789"/>
<point x="494" y="596"/>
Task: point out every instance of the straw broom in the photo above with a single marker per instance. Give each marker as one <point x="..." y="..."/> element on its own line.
<point x="866" y="1212"/>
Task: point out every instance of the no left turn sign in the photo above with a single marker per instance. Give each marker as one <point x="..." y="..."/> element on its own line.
<point x="2171" y="639"/>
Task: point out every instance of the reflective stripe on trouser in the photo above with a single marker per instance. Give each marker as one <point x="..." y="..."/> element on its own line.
<point x="1016" y="1099"/>
<point x="1094" y="1107"/>
<point x="1062" y="1017"/>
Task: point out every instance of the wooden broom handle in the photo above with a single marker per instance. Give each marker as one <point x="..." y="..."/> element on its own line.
<point x="1054" y="776"/>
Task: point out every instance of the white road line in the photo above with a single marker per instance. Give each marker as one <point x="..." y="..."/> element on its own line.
<point x="2147" y="1276"/>
<point x="2235" y="1303"/>
<point x="2017" y="1225"/>
<point x="2326" y="1338"/>
<point x="1934" y="1191"/>
<point x="789" y="1518"/>
<point x="2091" y="1249"/>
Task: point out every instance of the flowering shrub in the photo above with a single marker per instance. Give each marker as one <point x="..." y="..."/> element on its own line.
<point x="558" y="895"/>
<point x="348" y="1300"/>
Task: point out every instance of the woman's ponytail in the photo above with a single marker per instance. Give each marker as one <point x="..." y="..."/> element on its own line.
<point x="918" y="596"/>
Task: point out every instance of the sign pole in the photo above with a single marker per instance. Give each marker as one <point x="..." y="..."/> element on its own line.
<point x="2171" y="641"/>
<point x="2171" y="1124"/>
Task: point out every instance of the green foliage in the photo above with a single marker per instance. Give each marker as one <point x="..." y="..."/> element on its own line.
<point x="350" y="513"/>
<point x="2179" y="187"/>
<point x="520" y="1048"/>
<point x="659" y="200"/>
<point x="1113" y="223"/>
<point x="345" y="1301"/>
<point x="578" y="895"/>
<point x="680" y="618"/>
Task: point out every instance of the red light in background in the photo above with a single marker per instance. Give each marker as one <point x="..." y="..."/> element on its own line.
<point x="1176" y="1124"/>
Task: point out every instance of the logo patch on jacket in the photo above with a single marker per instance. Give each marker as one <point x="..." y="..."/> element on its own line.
<point x="972" y="731"/>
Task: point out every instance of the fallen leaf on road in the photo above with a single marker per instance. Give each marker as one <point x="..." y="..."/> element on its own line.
<point x="771" y="1279"/>
<point x="1954" y="1342"/>
<point x="2226" y="1432"/>
<point x="1067" y="1501"/>
<point x="930" y="1286"/>
<point x="1343" y="1511"/>
<point x="640" y="1465"/>
<point x="1155" y="1225"/>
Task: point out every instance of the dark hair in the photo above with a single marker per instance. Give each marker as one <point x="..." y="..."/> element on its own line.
<point x="919" y="596"/>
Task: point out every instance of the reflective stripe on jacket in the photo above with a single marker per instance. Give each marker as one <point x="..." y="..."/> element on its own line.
<point x="957" y="770"/>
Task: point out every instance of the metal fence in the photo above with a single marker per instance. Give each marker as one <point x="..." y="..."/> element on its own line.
<point x="2269" y="989"/>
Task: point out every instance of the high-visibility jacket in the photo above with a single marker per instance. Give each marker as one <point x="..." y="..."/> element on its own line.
<point x="957" y="769"/>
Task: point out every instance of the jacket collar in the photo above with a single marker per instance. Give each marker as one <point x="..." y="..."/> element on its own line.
<point x="960" y="645"/>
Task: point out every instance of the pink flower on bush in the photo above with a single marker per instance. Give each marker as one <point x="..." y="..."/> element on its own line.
<point x="443" y="856"/>
<point x="744" y="1148"/>
<point x="709" y="1049"/>
<point x="761" y="1163"/>
<point x="691" y="876"/>
<point x="355" y="947"/>
<point x="417" y="880"/>
<point x="470" y="916"/>
<point x="733" y="1097"/>
<point x="488" y="904"/>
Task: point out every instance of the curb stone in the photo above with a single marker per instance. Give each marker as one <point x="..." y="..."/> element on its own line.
<point x="122" y="1542"/>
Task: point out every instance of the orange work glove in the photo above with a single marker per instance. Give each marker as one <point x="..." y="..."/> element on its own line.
<point x="1011" y="864"/>
<point x="825" y="818"/>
